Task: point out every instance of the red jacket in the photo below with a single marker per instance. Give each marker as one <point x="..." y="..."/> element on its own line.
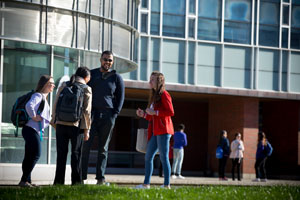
<point x="161" y="123"/>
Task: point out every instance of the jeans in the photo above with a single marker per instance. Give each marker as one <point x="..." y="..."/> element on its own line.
<point x="161" y="143"/>
<point x="63" y="135"/>
<point x="236" y="162"/>
<point x="32" y="152"/>
<point x="177" y="161"/>
<point x="260" y="168"/>
<point x="102" y="127"/>
<point x="222" y="164"/>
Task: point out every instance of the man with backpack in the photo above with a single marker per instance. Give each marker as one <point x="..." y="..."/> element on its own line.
<point x="108" y="97"/>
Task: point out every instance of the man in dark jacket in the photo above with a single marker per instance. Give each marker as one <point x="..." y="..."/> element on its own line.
<point x="108" y="97"/>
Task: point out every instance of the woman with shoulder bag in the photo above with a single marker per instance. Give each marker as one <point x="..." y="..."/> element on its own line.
<point x="237" y="149"/>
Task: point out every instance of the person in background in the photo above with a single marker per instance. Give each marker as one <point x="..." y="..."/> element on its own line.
<point x="160" y="128"/>
<point x="34" y="127"/>
<point x="262" y="151"/>
<point x="180" y="141"/>
<point x="108" y="98"/>
<point x="237" y="149"/>
<point x="224" y="144"/>
<point x="75" y="132"/>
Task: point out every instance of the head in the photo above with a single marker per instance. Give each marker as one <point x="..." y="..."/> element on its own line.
<point x="157" y="86"/>
<point x="45" y="85"/>
<point x="238" y="136"/>
<point x="261" y="137"/>
<point x="181" y="127"/>
<point x="223" y="133"/>
<point x="107" y="61"/>
<point x="84" y="73"/>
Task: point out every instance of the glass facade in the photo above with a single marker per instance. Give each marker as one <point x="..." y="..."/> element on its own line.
<point x="55" y="37"/>
<point x="236" y="44"/>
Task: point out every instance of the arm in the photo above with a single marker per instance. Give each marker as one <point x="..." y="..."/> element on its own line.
<point x="167" y="107"/>
<point x="86" y="110"/>
<point x="185" y="140"/>
<point x="119" y="95"/>
<point x="33" y="103"/>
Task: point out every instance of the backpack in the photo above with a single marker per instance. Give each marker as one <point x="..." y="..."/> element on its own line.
<point x="269" y="149"/>
<point x="219" y="152"/>
<point x="70" y="102"/>
<point x="19" y="116"/>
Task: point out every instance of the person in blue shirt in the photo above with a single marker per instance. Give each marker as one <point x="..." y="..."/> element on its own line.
<point x="180" y="141"/>
<point x="224" y="144"/>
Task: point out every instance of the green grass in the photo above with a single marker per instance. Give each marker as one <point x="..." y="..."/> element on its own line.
<point x="121" y="192"/>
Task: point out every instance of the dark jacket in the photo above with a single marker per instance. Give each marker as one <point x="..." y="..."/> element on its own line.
<point x="224" y="143"/>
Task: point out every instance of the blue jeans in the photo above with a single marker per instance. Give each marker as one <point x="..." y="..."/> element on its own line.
<point x="102" y="127"/>
<point x="161" y="143"/>
<point x="32" y="152"/>
<point x="177" y="161"/>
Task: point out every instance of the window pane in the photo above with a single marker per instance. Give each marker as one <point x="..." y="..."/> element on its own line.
<point x="83" y="5"/>
<point x="144" y="23"/>
<point x="144" y="4"/>
<point x="192" y="6"/>
<point x="210" y="9"/>
<point x="96" y="34"/>
<point x="295" y="38"/>
<point x="238" y="10"/>
<point x="284" y="38"/>
<point x="284" y="70"/>
<point x="237" y="32"/>
<point x="68" y="4"/>
<point x="121" y="41"/>
<point x="191" y="61"/>
<point x="144" y="56"/>
<point x="82" y="40"/>
<point x="97" y="7"/>
<point x="23" y="64"/>
<point x="120" y="11"/>
<point x="268" y="35"/>
<point x="192" y="28"/>
<point x="295" y="72"/>
<point x="155" y="17"/>
<point x="154" y="54"/>
<point x="285" y="15"/>
<point x="174" y="18"/>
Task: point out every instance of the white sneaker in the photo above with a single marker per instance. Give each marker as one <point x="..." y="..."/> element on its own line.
<point x="181" y="177"/>
<point x="142" y="186"/>
<point x="173" y="176"/>
<point x="165" y="186"/>
<point x="256" y="180"/>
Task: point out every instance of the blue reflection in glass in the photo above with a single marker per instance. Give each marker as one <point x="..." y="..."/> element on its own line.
<point x="211" y="8"/>
<point x="295" y="17"/>
<point x="209" y="29"/>
<point x="192" y="6"/>
<point x="269" y="35"/>
<point x="285" y="15"/>
<point x="284" y="38"/>
<point x="144" y="22"/>
<point x="295" y="38"/>
<point x="154" y="28"/>
<point x="237" y="32"/>
<point x="174" y="18"/>
<point x="191" y="28"/>
<point x="238" y="10"/>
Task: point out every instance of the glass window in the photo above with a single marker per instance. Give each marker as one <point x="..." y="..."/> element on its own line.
<point x="154" y="54"/>
<point x="173" y="60"/>
<point x="237" y="71"/>
<point x="295" y="72"/>
<point x="144" y="23"/>
<point x="107" y="36"/>
<point x="285" y="15"/>
<point x="20" y="21"/>
<point x="83" y="28"/>
<point x="192" y="6"/>
<point x="96" y="34"/>
<point x="208" y="64"/>
<point x="269" y="23"/>
<point x="155" y="17"/>
<point x="209" y="20"/>
<point x="97" y="7"/>
<point x="67" y="4"/>
<point x="144" y="4"/>
<point x="268" y="69"/>
<point x="121" y="41"/>
<point x="120" y="11"/>
<point x="23" y="64"/>
<point x="295" y="25"/>
<point x="191" y="62"/>
<point x="284" y="38"/>
<point x="107" y="8"/>
<point x="191" y="28"/>
<point x="174" y="18"/>
<point x="144" y="56"/>
<point x="237" y="26"/>
<point x="285" y="55"/>
<point x="61" y="28"/>
<point x="83" y="5"/>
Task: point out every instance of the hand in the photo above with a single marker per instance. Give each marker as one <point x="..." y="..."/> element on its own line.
<point x="140" y="112"/>
<point x="150" y="111"/>
<point x="86" y="135"/>
<point x="37" y="118"/>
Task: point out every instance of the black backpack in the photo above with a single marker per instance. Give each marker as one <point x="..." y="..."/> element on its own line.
<point x="70" y="102"/>
<point x="19" y="116"/>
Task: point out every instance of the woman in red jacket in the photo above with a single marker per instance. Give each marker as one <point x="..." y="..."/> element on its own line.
<point x="160" y="127"/>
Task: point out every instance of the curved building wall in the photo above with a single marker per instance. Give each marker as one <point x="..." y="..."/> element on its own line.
<point x="55" y="37"/>
<point x="231" y="44"/>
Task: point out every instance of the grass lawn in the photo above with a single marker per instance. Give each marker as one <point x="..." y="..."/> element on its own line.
<point x="121" y="192"/>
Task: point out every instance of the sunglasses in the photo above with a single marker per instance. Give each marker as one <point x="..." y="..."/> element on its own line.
<point x="107" y="60"/>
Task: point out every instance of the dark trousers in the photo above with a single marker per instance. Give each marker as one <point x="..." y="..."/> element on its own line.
<point x="32" y="152"/>
<point x="260" y="168"/>
<point x="64" y="134"/>
<point x="236" y="162"/>
<point x="222" y="164"/>
<point x="102" y="127"/>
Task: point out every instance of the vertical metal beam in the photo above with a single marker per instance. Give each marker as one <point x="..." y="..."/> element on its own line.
<point x="51" y="104"/>
<point x="252" y="23"/>
<point x="1" y="84"/>
<point x="280" y="71"/>
<point x="222" y="22"/>
<point x="257" y="22"/>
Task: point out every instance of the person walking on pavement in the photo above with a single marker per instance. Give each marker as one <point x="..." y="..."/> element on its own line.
<point x="108" y="98"/>
<point x="180" y="141"/>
